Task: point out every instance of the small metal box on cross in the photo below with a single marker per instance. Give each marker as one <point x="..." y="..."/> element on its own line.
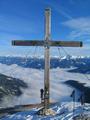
<point x="47" y="43"/>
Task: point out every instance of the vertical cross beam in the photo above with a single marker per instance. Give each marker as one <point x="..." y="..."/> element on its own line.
<point x="47" y="58"/>
<point x="47" y="43"/>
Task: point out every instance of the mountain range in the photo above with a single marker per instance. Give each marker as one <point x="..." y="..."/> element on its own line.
<point x="80" y="64"/>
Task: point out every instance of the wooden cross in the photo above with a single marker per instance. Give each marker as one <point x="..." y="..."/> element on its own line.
<point x="47" y="43"/>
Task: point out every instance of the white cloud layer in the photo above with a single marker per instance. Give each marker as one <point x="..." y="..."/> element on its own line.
<point x="80" y="28"/>
<point x="35" y="80"/>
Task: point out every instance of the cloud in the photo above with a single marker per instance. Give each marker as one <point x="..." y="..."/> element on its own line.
<point x="35" y="80"/>
<point x="59" y="8"/>
<point x="64" y="13"/>
<point x="80" y="28"/>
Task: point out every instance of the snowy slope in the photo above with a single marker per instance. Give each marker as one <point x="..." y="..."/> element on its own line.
<point x="62" y="112"/>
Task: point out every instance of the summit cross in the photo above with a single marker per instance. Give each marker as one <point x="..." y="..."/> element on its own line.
<point x="47" y="43"/>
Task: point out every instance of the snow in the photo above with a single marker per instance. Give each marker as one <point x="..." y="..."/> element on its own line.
<point x="63" y="112"/>
<point x="42" y="56"/>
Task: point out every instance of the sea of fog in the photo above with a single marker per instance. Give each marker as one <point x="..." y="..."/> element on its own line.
<point x="59" y="91"/>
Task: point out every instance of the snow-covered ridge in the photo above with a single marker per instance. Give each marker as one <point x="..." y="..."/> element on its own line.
<point x="64" y="111"/>
<point x="81" y="63"/>
<point x="38" y="57"/>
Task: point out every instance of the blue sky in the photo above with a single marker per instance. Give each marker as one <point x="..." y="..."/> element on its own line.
<point x="24" y="19"/>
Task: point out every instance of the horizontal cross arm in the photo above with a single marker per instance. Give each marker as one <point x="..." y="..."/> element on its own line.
<point x="27" y="43"/>
<point x="44" y="43"/>
<point x="66" y="43"/>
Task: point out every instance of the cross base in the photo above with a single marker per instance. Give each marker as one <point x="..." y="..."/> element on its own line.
<point x="46" y="112"/>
